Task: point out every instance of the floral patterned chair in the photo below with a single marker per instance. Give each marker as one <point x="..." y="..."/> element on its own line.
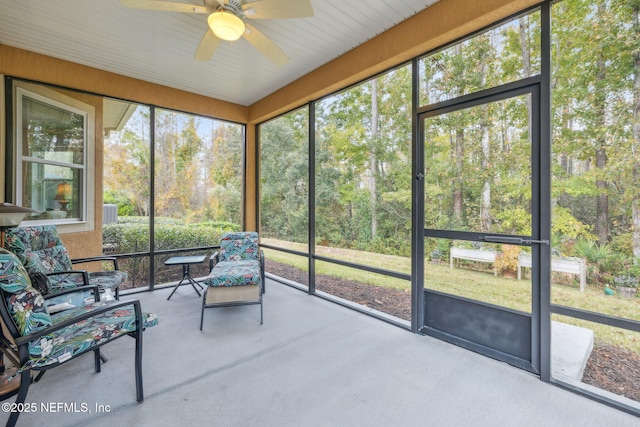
<point x="236" y="273"/>
<point x="35" y="340"/>
<point x="40" y="250"/>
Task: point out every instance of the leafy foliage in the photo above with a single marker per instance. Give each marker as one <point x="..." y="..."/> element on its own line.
<point x="566" y="226"/>
<point x="477" y="160"/>
<point x="630" y="278"/>
<point x="604" y="261"/>
<point x="198" y="167"/>
<point x="125" y="205"/>
<point x="507" y="259"/>
<point x="131" y="234"/>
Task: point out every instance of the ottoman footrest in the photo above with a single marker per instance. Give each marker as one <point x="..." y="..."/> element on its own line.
<point x="234" y="273"/>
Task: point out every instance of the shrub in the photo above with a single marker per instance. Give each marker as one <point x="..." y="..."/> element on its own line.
<point x="514" y="221"/>
<point x="629" y="277"/>
<point x="603" y="261"/>
<point x="507" y="260"/>
<point x="623" y="244"/>
<point x="565" y="225"/>
<point x="437" y="254"/>
<point x="626" y="280"/>
<point x="131" y="234"/>
<point x="124" y="203"/>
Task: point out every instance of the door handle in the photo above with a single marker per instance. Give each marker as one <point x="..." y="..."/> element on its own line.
<point x="514" y="240"/>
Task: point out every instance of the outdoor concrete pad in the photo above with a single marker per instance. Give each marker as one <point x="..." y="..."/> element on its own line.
<point x="570" y="350"/>
<point x="312" y="363"/>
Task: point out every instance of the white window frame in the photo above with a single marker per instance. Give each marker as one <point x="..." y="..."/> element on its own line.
<point x="56" y="99"/>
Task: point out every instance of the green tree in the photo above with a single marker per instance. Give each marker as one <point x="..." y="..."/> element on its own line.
<point x="592" y="79"/>
<point x="127" y="163"/>
<point x="284" y="191"/>
<point x="634" y="6"/>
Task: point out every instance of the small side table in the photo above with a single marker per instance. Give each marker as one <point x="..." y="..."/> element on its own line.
<point x="186" y="262"/>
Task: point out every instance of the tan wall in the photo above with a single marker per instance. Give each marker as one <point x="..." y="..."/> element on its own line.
<point x="439" y="24"/>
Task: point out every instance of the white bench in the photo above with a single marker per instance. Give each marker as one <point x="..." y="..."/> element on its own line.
<point x="473" y="255"/>
<point x="572" y="266"/>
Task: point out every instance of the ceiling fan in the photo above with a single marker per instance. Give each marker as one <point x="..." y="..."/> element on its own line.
<point x="227" y="21"/>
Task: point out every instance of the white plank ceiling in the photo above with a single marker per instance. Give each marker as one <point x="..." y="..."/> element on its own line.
<point x="159" y="46"/>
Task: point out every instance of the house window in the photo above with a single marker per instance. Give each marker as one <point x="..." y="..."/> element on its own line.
<point x="54" y="145"/>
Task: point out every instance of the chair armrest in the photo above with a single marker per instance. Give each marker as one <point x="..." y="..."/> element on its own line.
<point x="88" y="315"/>
<point x="97" y="258"/>
<point x="85" y="275"/>
<point x="214" y="259"/>
<point x="94" y="288"/>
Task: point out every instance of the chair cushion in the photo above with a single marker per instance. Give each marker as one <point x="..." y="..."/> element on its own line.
<point x="239" y="246"/>
<point x="110" y="279"/>
<point x="33" y="238"/>
<point x="56" y="259"/>
<point x="47" y="260"/>
<point x="234" y="273"/>
<point x="29" y="311"/>
<point x="26" y="305"/>
<point x="81" y="336"/>
<point x="40" y="250"/>
<point x="13" y="277"/>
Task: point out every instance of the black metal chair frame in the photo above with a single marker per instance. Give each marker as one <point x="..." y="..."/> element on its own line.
<point x="85" y="274"/>
<point x="18" y="354"/>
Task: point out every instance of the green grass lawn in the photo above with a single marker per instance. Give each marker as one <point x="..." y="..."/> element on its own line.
<point x="477" y="285"/>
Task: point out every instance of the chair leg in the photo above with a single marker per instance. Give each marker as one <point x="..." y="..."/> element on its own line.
<point x="25" y="382"/>
<point x="204" y="298"/>
<point x="97" y="359"/>
<point x="39" y="376"/>
<point x="138" y="367"/>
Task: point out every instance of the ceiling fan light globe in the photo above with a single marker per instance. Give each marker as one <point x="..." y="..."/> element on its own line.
<point x="226" y="25"/>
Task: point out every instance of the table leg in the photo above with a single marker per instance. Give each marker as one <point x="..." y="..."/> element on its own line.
<point x="175" y="289"/>
<point x="186" y="275"/>
<point x="186" y="272"/>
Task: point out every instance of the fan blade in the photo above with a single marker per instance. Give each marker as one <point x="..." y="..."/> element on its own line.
<point x="265" y="46"/>
<point x="278" y="9"/>
<point x="164" y="6"/>
<point x="207" y="46"/>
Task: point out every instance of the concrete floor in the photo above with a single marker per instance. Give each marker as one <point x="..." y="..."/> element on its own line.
<point x="312" y="363"/>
